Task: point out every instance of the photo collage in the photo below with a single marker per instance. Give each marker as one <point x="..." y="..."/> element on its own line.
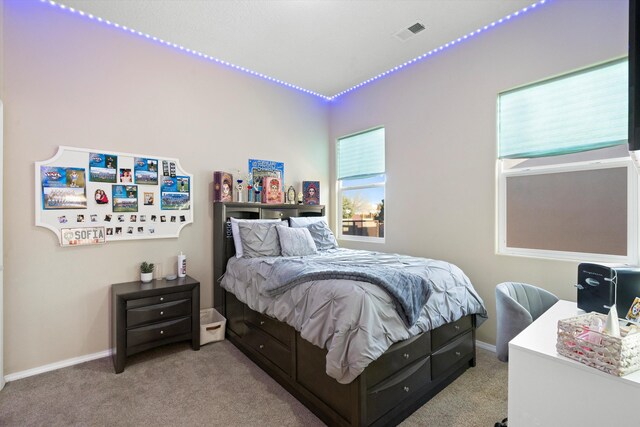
<point x="131" y="197"/>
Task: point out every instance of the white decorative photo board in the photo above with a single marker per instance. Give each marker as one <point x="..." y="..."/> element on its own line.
<point x="89" y="196"/>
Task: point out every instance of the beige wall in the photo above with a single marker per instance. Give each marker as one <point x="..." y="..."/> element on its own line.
<point x="70" y="81"/>
<point x="440" y="122"/>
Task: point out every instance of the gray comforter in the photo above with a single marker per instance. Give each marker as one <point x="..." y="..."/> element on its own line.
<point x="408" y="290"/>
<point x="354" y="320"/>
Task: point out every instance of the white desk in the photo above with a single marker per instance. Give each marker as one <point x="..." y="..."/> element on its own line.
<point x="546" y="389"/>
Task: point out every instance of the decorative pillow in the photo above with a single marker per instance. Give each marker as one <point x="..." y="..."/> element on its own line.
<point x="235" y="231"/>
<point x="322" y="236"/>
<point x="303" y="221"/>
<point x="259" y="239"/>
<point x="296" y="241"/>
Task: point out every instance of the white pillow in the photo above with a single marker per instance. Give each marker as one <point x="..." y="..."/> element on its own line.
<point x="303" y="221"/>
<point x="235" y="231"/>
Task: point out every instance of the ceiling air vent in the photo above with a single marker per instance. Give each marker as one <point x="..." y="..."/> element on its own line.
<point x="406" y="33"/>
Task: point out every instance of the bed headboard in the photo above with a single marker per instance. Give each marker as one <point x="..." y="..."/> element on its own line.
<point x="223" y="247"/>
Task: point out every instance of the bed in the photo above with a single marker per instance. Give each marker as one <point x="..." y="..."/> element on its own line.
<point x="345" y="382"/>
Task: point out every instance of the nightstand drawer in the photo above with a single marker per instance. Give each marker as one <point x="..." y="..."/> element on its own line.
<point x="160" y="299"/>
<point x="153" y="313"/>
<point x="157" y="331"/>
<point x="279" y="330"/>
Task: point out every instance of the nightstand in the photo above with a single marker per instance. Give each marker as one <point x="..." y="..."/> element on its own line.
<point x="148" y="315"/>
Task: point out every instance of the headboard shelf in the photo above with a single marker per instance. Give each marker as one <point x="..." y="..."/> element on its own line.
<point x="223" y="247"/>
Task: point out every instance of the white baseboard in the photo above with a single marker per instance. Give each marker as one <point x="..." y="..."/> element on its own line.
<point x="486" y="346"/>
<point x="57" y="365"/>
<point x="106" y="353"/>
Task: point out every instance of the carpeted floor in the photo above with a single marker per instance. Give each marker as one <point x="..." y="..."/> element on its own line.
<point x="217" y="386"/>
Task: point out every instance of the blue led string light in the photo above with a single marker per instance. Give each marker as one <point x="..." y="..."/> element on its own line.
<point x="283" y="83"/>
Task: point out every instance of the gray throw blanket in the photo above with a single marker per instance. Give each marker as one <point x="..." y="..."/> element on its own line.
<point x="409" y="291"/>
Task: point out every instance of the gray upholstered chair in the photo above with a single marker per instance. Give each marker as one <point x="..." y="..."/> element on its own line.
<point x="517" y="306"/>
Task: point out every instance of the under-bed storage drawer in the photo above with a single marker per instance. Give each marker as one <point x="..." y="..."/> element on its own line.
<point x="451" y="354"/>
<point x="384" y="396"/>
<point x="158" y="331"/>
<point x="152" y="313"/>
<point x="398" y="356"/>
<point x="447" y="332"/>
<point x="279" y="330"/>
<point x="269" y="347"/>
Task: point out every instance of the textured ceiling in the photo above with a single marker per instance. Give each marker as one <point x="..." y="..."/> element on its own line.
<point x="325" y="46"/>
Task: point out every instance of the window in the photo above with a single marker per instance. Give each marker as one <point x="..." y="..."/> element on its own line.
<point x="567" y="188"/>
<point x="361" y="182"/>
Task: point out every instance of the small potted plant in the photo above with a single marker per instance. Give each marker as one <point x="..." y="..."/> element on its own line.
<point x="146" y="272"/>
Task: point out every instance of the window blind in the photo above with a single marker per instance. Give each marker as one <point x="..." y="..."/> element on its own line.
<point x="361" y="155"/>
<point x="581" y="111"/>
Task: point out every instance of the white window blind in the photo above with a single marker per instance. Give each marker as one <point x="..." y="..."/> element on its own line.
<point x="581" y="111"/>
<point x="361" y="155"/>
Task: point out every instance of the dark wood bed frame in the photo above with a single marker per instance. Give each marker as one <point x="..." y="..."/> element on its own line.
<point x="392" y="387"/>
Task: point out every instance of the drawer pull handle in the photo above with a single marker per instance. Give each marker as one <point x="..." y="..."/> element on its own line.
<point x="213" y="328"/>
<point x="456" y="327"/>
<point x="161" y="299"/>
<point x="406" y="355"/>
<point x="458" y="353"/>
<point x="161" y="332"/>
<point x="281" y="214"/>
<point x="161" y="313"/>
<point x="406" y="389"/>
<point x="261" y="322"/>
<point x="261" y="346"/>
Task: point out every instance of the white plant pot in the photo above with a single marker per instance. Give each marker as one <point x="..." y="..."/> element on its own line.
<point x="146" y="277"/>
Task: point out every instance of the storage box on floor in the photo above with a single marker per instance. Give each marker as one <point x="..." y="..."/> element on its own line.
<point x="212" y="326"/>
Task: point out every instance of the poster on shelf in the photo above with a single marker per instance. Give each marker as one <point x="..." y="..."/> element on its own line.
<point x="125" y="198"/>
<point x="103" y="168"/>
<point x="258" y="169"/>
<point x="63" y="188"/>
<point x="175" y="193"/>
<point x="145" y="171"/>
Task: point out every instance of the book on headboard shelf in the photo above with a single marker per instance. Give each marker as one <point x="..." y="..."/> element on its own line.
<point x="222" y="187"/>
<point x="272" y="190"/>
<point x="311" y="192"/>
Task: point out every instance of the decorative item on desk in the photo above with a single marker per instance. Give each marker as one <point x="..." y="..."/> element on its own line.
<point x="300" y="198"/>
<point x="257" y="192"/>
<point x="612" y="327"/>
<point x="146" y="272"/>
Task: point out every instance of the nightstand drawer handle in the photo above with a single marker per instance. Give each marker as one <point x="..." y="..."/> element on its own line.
<point x="261" y="346"/>
<point x="456" y="327"/>
<point x="406" y="355"/>
<point x="261" y="322"/>
<point x="161" y="299"/>
<point x="161" y="313"/>
<point x="406" y="389"/>
<point x="161" y="332"/>
<point x="458" y="353"/>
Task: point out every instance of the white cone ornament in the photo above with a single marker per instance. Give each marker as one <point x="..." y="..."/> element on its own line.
<point x="612" y="327"/>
